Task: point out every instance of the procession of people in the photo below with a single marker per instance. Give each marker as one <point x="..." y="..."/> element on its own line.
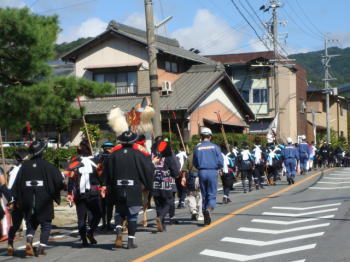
<point x="119" y="178"/>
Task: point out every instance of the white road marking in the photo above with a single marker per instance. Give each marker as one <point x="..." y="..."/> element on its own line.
<point x="307" y="208"/>
<point x="341" y="175"/>
<point x="300" y="214"/>
<point x="337" y="178"/>
<point x="333" y="183"/>
<point x="280" y="222"/>
<point x="329" y="188"/>
<point x="268" y="243"/>
<point x="240" y="257"/>
<point x="277" y="232"/>
<point x="303" y="260"/>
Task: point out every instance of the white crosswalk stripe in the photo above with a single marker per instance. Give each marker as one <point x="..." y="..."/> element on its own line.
<point x="333" y="183"/>
<point x="300" y="214"/>
<point x="329" y="188"/>
<point x="240" y="257"/>
<point x="269" y="243"/>
<point x="306" y="208"/>
<point x="280" y="222"/>
<point x="277" y="232"/>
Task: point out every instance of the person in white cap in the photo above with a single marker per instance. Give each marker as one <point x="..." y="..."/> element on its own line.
<point x="290" y="157"/>
<point x="304" y="154"/>
<point x="208" y="160"/>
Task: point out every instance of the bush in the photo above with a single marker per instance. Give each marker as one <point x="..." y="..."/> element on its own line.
<point x="54" y="156"/>
<point x="218" y="139"/>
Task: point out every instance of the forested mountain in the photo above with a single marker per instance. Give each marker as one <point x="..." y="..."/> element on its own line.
<point x="65" y="47"/>
<point x="340" y="65"/>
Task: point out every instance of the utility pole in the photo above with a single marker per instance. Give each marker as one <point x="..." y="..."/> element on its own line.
<point x="152" y="60"/>
<point x="274" y="5"/>
<point x="326" y="58"/>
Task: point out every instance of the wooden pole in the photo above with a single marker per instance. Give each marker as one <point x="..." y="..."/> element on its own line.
<point x="223" y="131"/>
<point x="85" y="125"/>
<point x="3" y="155"/>
<point x="179" y="131"/>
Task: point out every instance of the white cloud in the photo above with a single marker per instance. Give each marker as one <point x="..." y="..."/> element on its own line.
<point x="208" y="33"/>
<point x="12" y="4"/>
<point x="343" y="37"/>
<point x="89" y="28"/>
<point x="137" y="20"/>
<point x="255" y="45"/>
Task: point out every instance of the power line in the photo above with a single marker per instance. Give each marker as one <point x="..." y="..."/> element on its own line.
<point x="35" y="1"/>
<point x="65" y="7"/>
<point x="305" y="24"/>
<point x="252" y="27"/>
<point x="307" y="17"/>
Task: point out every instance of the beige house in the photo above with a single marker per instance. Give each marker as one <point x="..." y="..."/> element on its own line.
<point x="316" y="113"/>
<point x="252" y="74"/>
<point x="193" y="86"/>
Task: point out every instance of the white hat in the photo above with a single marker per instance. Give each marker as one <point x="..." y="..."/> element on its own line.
<point x="289" y="140"/>
<point x="206" y="131"/>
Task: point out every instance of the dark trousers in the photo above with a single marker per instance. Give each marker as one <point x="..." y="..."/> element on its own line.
<point x="163" y="206"/>
<point x="45" y="226"/>
<point x="17" y="217"/>
<point x="272" y="172"/>
<point x="247" y="174"/>
<point x="88" y="209"/>
<point x="172" y="206"/>
<point x="259" y="174"/>
<point x="122" y="211"/>
<point x="181" y="191"/>
<point x="106" y="206"/>
<point x="227" y="183"/>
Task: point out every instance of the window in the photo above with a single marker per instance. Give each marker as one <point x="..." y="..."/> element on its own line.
<point x="260" y="95"/>
<point x="125" y="82"/>
<point x="342" y="133"/>
<point x="245" y="95"/>
<point x="171" y="67"/>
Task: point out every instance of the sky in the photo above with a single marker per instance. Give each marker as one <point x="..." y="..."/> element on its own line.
<point x="212" y="26"/>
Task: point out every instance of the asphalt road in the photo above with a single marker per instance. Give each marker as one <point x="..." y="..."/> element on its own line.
<point x="308" y="221"/>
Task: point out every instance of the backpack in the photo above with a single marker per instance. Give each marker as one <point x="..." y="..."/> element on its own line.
<point x="162" y="179"/>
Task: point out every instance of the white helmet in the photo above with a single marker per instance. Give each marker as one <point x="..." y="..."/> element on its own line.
<point x="303" y="137"/>
<point x="289" y="140"/>
<point x="206" y="131"/>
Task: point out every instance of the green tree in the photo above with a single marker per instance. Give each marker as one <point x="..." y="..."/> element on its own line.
<point x="27" y="42"/>
<point x="28" y="92"/>
<point x="95" y="133"/>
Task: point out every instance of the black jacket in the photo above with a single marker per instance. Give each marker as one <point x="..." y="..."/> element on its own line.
<point x="128" y="163"/>
<point x="38" y="200"/>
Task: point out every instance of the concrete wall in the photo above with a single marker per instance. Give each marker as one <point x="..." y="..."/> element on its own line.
<point x="287" y="104"/>
<point x="338" y="122"/>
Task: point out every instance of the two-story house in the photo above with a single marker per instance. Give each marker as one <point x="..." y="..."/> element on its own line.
<point x="252" y="74"/>
<point x="196" y="88"/>
<point x="316" y="114"/>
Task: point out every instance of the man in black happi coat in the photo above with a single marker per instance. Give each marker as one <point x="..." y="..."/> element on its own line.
<point x="38" y="184"/>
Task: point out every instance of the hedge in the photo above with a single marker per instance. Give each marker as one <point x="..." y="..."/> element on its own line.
<point x="53" y="155"/>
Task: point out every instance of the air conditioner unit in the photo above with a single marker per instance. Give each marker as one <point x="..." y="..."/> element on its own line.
<point x="166" y="88"/>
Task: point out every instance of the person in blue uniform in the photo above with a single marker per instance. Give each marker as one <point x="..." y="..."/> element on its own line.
<point x="290" y="156"/>
<point x="304" y="154"/>
<point x="208" y="160"/>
